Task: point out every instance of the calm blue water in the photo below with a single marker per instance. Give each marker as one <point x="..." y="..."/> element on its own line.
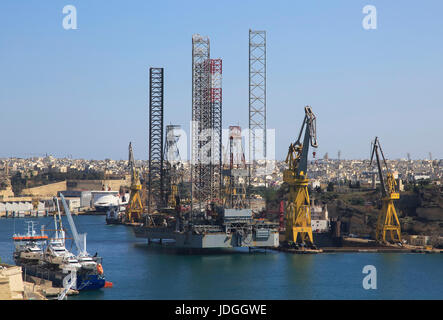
<point x="140" y="272"/>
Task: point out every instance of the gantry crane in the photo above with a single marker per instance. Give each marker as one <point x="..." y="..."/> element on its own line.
<point x="135" y="206"/>
<point x="298" y="209"/>
<point x="387" y="219"/>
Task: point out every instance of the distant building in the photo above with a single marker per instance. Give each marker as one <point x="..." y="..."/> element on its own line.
<point x="401" y="187"/>
<point x="421" y="177"/>
<point x="319" y="218"/>
<point x="315" y="184"/>
<point x="417" y="240"/>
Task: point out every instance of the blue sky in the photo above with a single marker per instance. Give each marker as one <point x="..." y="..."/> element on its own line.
<point x="85" y="92"/>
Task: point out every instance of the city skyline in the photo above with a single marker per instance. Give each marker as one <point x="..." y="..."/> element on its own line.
<point x="85" y="92"/>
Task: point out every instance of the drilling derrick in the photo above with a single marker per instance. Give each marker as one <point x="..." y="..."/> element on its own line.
<point x="156" y="173"/>
<point x="216" y="107"/>
<point x="135" y="208"/>
<point x="257" y="100"/>
<point x="206" y="124"/>
<point x="236" y="174"/>
<point x="172" y="157"/>
<point x="200" y="177"/>
<point x="298" y="209"/>
<point x="387" y="219"/>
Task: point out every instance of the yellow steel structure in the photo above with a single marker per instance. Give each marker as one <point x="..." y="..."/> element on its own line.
<point x="227" y="191"/>
<point x="172" y="202"/>
<point x="135" y="208"/>
<point x="298" y="208"/>
<point x="387" y="219"/>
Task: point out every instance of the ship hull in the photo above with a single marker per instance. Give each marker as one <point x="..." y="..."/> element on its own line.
<point x="103" y="208"/>
<point x="213" y="240"/>
<point x="85" y="281"/>
<point x="113" y="221"/>
<point x="90" y="282"/>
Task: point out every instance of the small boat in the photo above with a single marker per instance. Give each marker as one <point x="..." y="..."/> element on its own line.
<point x="57" y="254"/>
<point x="113" y="215"/>
<point x="29" y="246"/>
<point x="87" y="263"/>
<point x="32" y="252"/>
<point x="69" y="264"/>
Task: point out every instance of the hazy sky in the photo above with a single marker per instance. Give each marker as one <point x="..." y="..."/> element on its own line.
<point x="85" y="92"/>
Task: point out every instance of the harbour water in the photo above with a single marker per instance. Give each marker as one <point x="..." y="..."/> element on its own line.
<point x="141" y="272"/>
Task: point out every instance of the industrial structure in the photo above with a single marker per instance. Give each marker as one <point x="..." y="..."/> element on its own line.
<point x="387" y="218"/>
<point x="135" y="207"/>
<point x="206" y="141"/>
<point x="257" y="98"/>
<point x="156" y="195"/>
<point x="172" y="152"/>
<point x="211" y="221"/>
<point x="235" y="172"/>
<point x="220" y="212"/>
<point x="298" y="209"/>
<point x="172" y="162"/>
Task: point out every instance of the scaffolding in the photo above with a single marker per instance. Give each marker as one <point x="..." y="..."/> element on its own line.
<point x="216" y="106"/>
<point x="257" y="96"/>
<point x="156" y="172"/>
<point x="235" y="173"/>
<point x="206" y="123"/>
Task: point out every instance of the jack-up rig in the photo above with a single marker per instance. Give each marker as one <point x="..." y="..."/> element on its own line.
<point x="211" y="223"/>
<point x="387" y="218"/>
<point x="298" y="209"/>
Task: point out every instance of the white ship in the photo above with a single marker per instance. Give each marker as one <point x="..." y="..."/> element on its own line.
<point x="104" y="200"/>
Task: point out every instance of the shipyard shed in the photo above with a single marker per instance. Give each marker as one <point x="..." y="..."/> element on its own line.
<point x="20" y="206"/>
<point x="84" y="196"/>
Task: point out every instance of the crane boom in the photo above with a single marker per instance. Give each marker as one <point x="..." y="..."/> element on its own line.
<point x="376" y="146"/>
<point x="310" y="138"/>
<point x="75" y="235"/>
<point x="135" y="207"/>
<point x="131" y="163"/>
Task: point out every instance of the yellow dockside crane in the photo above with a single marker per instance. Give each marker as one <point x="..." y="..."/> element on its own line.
<point x="387" y="219"/>
<point x="135" y="206"/>
<point x="298" y="209"/>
